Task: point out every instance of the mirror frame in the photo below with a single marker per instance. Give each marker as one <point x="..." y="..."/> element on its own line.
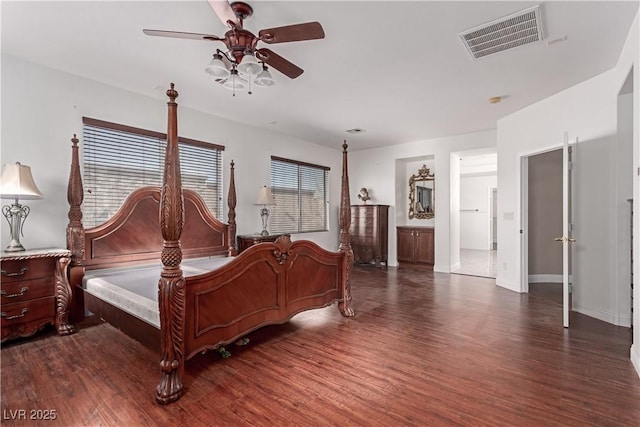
<point x="424" y="174"/>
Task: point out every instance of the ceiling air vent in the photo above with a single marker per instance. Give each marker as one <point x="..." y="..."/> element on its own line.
<point x="503" y="34"/>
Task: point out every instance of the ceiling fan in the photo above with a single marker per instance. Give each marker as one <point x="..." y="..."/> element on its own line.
<point x="242" y="54"/>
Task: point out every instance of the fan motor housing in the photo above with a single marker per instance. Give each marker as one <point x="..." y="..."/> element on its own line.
<point x="239" y="40"/>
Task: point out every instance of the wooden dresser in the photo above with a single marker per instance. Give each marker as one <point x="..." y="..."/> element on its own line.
<point x="247" y="240"/>
<point x="34" y="292"/>
<point x="416" y="246"/>
<point x="370" y="233"/>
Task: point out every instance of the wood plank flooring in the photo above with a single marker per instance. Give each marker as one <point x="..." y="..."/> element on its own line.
<point x="425" y="349"/>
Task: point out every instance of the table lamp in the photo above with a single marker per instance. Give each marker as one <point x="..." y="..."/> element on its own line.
<point x="17" y="183"/>
<point x="265" y="198"/>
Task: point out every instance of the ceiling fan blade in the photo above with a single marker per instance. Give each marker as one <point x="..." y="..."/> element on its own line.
<point x="224" y="12"/>
<point x="279" y="63"/>
<point x="180" y="35"/>
<point x="292" y="33"/>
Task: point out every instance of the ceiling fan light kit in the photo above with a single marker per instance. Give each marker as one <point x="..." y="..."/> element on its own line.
<point x="242" y="63"/>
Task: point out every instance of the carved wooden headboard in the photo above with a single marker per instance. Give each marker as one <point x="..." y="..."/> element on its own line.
<point x="132" y="235"/>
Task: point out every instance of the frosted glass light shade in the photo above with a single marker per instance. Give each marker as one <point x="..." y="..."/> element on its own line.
<point x="216" y="68"/>
<point x="264" y="79"/>
<point x="235" y="82"/>
<point x="249" y="65"/>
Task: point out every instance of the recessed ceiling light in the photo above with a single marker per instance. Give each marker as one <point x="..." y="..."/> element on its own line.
<point x="355" y="130"/>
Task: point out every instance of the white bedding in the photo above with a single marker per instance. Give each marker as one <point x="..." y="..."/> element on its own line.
<point x="135" y="289"/>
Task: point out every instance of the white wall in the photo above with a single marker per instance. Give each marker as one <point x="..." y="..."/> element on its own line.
<point x="475" y="219"/>
<point x="378" y="169"/>
<point x="42" y="108"/>
<point x="587" y="111"/>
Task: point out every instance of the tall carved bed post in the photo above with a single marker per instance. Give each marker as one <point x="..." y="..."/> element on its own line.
<point x="345" y="239"/>
<point x="75" y="230"/>
<point x="231" y="203"/>
<point x="171" y="286"/>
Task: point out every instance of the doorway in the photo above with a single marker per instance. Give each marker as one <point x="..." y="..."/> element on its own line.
<point x="477" y="217"/>
<point x="544" y="211"/>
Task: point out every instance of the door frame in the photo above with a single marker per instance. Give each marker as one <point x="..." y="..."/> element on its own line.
<point x="493" y="212"/>
<point x="523" y="204"/>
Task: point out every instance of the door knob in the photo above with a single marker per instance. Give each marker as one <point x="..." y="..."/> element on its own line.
<point x="564" y="239"/>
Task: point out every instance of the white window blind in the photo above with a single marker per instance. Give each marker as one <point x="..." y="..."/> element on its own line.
<point x="300" y="193"/>
<point x="118" y="159"/>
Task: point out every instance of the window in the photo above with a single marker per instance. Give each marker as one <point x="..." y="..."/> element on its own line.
<point x="118" y="159"/>
<point x="300" y="193"/>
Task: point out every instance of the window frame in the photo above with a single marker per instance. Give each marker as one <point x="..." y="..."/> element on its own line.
<point x="218" y="169"/>
<point x="300" y="200"/>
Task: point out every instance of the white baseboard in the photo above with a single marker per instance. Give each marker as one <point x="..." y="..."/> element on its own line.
<point x="635" y="357"/>
<point x="618" y="320"/>
<point x="547" y="278"/>
<point x="438" y="269"/>
<point x="508" y="285"/>
<point x="456" y="266"/>
<point x="595" y="313"/>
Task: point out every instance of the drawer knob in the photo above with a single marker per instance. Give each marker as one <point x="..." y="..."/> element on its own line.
<point x="15" y="273"/>
<point x="17" y="316"/>
<point x="21" y="293"/>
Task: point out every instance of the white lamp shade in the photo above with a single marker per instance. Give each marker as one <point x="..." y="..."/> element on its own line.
<point x="265" y="197"/>
<point x="264" y="79"/>
<point x="216" y="68"/>
<point x="234" y="81"/>
<point x="16" y="182"/>
<point x="249" y="65"/>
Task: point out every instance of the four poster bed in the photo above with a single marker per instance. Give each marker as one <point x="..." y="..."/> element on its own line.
<point x="201" y="295"/>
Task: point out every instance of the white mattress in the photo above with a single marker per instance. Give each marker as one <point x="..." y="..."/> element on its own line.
<point x="135" y="289"/>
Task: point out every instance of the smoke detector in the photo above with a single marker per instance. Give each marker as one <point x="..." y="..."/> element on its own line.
<point x="506" y="33"/>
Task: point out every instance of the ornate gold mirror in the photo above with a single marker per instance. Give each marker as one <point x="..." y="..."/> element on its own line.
<point x="422" y="188"/>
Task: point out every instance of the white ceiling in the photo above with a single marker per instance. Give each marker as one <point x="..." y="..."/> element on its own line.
<point x="396" y="69"/>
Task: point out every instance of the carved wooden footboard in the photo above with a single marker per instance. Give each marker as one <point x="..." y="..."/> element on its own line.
<point x="265" y="285"/>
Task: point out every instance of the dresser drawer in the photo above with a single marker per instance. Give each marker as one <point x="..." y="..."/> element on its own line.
<point x="13" y="292"/>
<point x="26" y="269"/>
<point x="28" y="311"/>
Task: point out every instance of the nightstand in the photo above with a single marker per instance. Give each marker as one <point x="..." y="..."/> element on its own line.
<point x="34" y="292"/>
<point x="247" y="240"/>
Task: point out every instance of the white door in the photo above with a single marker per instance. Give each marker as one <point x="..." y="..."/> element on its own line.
<point x="567" y="227"/>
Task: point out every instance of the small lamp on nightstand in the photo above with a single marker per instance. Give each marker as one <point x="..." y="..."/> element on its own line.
<point x="265" y="198"/>
<point x="17" y="183"/>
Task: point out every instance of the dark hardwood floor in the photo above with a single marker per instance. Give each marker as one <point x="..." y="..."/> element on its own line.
<point x="424" y="349"/>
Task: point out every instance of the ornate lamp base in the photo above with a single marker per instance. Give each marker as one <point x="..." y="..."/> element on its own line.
<point x="264" y="214"/>
<point x="15" y="215"/>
